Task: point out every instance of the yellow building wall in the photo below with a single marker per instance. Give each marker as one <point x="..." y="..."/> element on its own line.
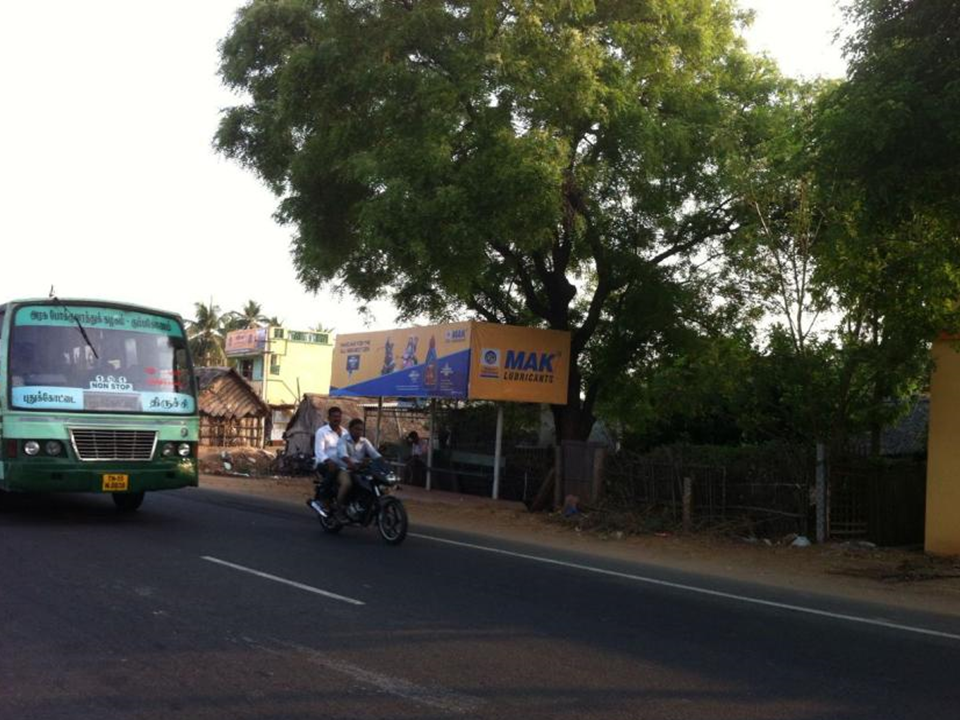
<point x="309" y="364"/>
<point x="943" y="457"/>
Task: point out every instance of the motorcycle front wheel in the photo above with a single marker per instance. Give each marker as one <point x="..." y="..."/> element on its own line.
<point x="392" y="521"/>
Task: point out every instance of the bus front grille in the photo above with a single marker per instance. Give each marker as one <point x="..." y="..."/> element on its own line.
<point x="105" y="444"/>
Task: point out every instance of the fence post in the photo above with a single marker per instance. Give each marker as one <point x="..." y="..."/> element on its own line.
<point x="687" y="504"/>
<point x="821" y="493"/>
<point x="558" y="477"/>
<point x="596" y="485"/>
<point x="498" y="452"/>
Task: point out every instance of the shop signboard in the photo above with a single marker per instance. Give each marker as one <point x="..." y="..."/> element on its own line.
<point x="249" y="341"/>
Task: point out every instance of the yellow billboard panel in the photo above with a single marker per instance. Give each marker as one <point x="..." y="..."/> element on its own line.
<point x="519" y="364"/>
<point x="431" y="361"/>
<point x="468" y="360"/>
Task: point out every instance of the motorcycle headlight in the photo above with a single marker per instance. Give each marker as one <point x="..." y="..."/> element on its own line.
<point x="392" y="478"/>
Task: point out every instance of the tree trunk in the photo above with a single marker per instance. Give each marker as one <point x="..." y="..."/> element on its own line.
<point x="573" y="421"/>
<point x="876" y="418"/>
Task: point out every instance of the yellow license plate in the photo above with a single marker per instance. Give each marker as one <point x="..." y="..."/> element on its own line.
<point x="116" y="483"/>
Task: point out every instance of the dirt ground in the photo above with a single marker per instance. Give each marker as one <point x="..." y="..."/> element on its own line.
<point x="896" y="577"/>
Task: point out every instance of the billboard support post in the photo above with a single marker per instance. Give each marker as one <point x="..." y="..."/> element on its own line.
<point x="433" y="436"/>
<point x="498" y="452"/>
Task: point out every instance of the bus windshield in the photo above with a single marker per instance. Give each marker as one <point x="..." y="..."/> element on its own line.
<point x="122" y="361"/>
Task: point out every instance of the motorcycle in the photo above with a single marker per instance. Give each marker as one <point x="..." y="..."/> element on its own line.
<point x="370" y="500"/>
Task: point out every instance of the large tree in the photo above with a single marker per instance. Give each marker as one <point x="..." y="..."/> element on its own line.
<point x="559" y="163"/>
<point x="888" y="156"/>
<point x="891" y="129"/>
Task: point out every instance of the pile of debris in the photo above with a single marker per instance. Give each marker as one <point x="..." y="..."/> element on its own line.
<point x="238" y="461"/>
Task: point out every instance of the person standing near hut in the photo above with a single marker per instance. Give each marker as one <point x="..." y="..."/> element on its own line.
<point x="413" y="470"/>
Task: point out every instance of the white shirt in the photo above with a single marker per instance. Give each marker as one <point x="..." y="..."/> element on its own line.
<point x="356" y="450"/>
<point x="325" y="444"/>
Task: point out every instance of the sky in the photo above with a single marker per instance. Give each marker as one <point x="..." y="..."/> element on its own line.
<point x="110" y="188"/>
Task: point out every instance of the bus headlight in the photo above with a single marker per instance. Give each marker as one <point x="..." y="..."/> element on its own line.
<point x="183" y="450"/>
<point x="31" y="448"/>
<point x="168" y="450"/>
<point x="52" y="447"/>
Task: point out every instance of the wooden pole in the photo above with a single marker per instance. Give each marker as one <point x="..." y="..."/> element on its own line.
<point x="821" y="494"/>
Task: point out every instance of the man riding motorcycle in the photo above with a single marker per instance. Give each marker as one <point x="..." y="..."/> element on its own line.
<point x="353" y="452"/>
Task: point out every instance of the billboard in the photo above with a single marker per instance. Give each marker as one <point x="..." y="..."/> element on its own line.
<point x="469" y="360"/>
<point x="246" y="342"/>
<point x="431" y="361"/>
<point x="519" y="364"/>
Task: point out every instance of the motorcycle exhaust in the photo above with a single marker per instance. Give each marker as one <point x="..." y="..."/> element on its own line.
<point x="318" y="508"/>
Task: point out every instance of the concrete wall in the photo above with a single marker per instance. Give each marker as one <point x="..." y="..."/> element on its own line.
<point x="943" y="463"/>
<point x="303" y="365"/>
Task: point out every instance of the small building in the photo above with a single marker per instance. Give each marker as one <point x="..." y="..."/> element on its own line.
<point x="231" y="412"/>
<point x="281" y="366"/>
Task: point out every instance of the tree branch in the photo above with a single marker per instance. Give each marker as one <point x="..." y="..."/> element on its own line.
<point x="523" y="277"/>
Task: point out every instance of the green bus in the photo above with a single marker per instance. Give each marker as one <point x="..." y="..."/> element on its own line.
<point x="95" y="397"/>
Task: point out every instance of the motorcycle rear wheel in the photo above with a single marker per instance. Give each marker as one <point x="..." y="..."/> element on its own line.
<point x="392" y="521"/>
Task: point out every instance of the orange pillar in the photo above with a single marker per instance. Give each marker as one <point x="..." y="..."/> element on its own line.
<point x="943" y="457"/>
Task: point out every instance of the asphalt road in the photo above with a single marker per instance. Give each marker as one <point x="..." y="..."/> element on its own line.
<point x="208" y="605"/>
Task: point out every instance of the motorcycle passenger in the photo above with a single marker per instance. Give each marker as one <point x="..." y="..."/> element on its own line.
<point x="325" y="444"/>
<point x="353" y="451"/>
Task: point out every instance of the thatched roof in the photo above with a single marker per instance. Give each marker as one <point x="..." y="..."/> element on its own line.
<point x="223" y="393"/>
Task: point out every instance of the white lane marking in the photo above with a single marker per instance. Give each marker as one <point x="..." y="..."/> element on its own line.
<point x="700" y="590"/>
<point x="291" y="583"/>
<point x="435" y="697"/>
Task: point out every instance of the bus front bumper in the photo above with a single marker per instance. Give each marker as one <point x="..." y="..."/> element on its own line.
<point x="39" y="475"/>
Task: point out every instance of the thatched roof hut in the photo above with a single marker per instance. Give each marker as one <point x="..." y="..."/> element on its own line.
<point x="311" y="414"/>
<point x="231" y="413"/>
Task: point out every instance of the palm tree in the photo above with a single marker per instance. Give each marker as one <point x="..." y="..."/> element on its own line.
<point x="251" y="316"/>
<point x="321" y="328"/>
<point x="207" y="335"/>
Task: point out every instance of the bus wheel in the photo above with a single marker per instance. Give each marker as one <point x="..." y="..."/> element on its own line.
<point x="128" y="502"/>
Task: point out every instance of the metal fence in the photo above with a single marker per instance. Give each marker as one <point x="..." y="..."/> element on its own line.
<point x="880" y="500"/>
<point x="769" y="489"/>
